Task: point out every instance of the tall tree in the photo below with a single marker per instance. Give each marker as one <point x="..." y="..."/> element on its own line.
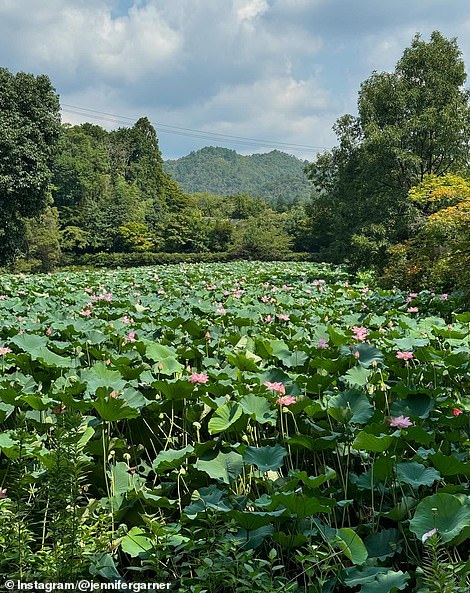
<point x="29" y="129"/>
<point x="410" y="123"/>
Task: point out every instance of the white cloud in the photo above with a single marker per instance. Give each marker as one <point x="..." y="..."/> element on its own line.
<point x="276" y="69"/>
<point x="249" y="9"/>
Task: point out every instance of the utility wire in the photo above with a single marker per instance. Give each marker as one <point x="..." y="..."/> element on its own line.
<point x="193" y="133"/>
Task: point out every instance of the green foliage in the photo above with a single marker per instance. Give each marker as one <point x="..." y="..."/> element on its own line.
<point x="262" y="237"/>
<point x="438" y="254"/>
<point x="43" y="240"/>
<point x="275" y="176"/>
<point x="412" y="122"/>
<point x="107" y="180"/>
<point x="29" y="128"/>
<point x="135" y="236"/>
<point x="145" y="258"/>
<point x="232" y="426"/>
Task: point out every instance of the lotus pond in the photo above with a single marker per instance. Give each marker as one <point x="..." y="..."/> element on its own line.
<point x="233" y="427"/>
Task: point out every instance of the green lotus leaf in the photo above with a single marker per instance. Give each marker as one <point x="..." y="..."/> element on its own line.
<point x="259" y="408"/>
<point x="350" y="406"/>
<point x="224" y="417"/>
<point x="350" y="544"/>
<point x="171" y="459"/>
<point x="165" y="358"/>
<point x="365" y="441"/>
<point x="223" y="467"/>
<point x="449" y="465"/>
<point x="100" y="376"/>
<point x="368" y="354"/>
<point x="357" y="376"/>
<point x="384" y="544"/>
<point x="204" y="499"/>
<point x="251" y="520"/>
<point x="376" y="579"/>
<point x="417" y="404"/>
<point x="112" y="409"/>
<point x="265" y="458"/>
<point x="301" y="505"/>
<point x="416" y="474"/>
<point x="250" y="540"/>
<point x="137" y="543"/>
<point x="30" y="342"/>
<point x="443" y="511"/>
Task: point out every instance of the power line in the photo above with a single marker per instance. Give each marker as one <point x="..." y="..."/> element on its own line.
<point x="193" y="133"/>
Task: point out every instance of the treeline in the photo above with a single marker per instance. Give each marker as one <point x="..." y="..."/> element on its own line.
<point x="111" y="194"/>
<point x="393" y="197"/>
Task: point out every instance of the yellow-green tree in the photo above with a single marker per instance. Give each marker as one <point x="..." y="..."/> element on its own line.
<point x="438" y="254"/>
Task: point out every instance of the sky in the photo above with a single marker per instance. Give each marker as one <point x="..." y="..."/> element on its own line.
<point x="250" y="75"/>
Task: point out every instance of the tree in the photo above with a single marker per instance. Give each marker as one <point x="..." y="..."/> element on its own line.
<point x="29" y="129"/>
<point x="438" y="255"/>
<point x="261" y="237"/>
<point x="410" y="123"/>
<point x="43" y="240"/>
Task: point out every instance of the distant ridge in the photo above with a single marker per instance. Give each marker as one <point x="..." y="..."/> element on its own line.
<point x="274" y="175"/>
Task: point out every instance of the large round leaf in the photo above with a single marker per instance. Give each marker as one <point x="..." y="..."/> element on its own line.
<point x="224" y="467"/>
<point x="224" y="417"/>
<point x="416" y="474"/>
<point x="351" y="406"/>
<point x="351" y="544"/>
<point x="442" y="511"/>
<point x="265" y="458"/>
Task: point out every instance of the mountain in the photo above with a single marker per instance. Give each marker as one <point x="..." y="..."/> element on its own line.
<point x="274" y="175"/>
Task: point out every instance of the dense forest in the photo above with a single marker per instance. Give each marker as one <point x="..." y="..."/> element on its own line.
<point x="276" y="176"/>
<point x="392" y="197"/>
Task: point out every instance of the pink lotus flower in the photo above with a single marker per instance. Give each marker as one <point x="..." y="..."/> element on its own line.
<point x="130" y="336"/>
<point x="286" y="400"/>
<point x="400" y="422"/>
<point x="48" y="331"/>
<point x="444" y="296"/>
<point x="360" y="333"/>
<point x="428" y="534"/>
<point x="85" y="312"/>
<point x="199" y="378"/>
<point x="413" y="295"/>
<point x="457" y="412"/>
<point x="268" y="319"/>
<point x="322" y="343"/>
<point x="404" y="355"/>
<point x="412" y="310"/>
<point x="279" y="387"/>
<point x="5" y="350"/>
<point x="283" y="317"/>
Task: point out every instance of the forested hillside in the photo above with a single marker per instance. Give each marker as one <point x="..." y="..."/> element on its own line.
<point x="275" y="176"/>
